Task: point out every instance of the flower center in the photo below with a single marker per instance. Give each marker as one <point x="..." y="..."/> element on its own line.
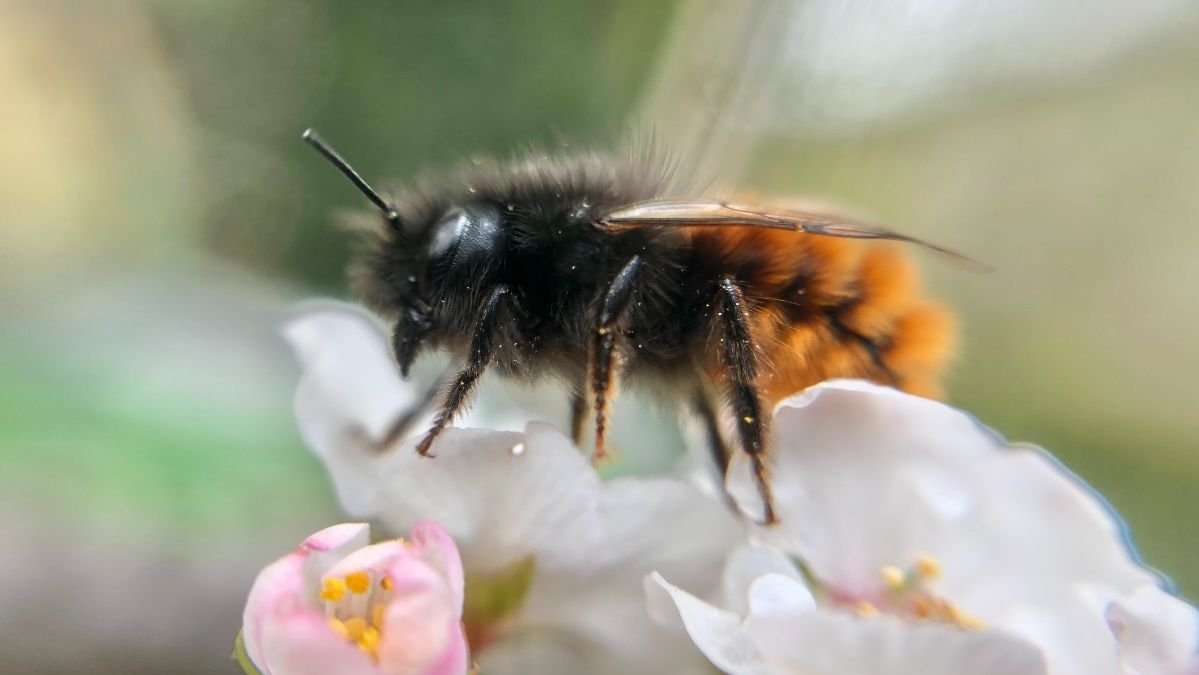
<point x="908" y="596"/>
<point x="354" y="606"/>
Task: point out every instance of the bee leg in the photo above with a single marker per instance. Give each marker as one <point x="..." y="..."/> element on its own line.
<point x="740" y="358"/>
<point x="602" y="351"/>
<point x="702" y="404"/>
<point x="406" y="418"/>
<point x="578" y="415"/>
<point x="458" y="390"/>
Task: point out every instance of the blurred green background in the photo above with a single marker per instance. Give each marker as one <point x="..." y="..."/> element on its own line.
<point x="160" y="216"/>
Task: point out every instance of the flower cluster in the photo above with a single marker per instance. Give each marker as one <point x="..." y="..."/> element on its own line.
<point x="911" y="539"/>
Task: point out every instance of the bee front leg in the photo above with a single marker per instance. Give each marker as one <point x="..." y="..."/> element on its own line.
<point x="404" y="419"/>
<point x="458" y="390"/>
<point x="601" y="353"/>
<point x="740" y="357"/>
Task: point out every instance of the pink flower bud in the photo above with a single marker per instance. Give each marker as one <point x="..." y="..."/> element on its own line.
<point x="339" y="604"/>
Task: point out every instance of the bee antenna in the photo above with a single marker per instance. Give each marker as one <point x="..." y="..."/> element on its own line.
<point x="327" y="151"/>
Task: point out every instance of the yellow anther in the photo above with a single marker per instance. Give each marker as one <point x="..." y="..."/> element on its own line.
<point x="748" y="420"/>
<point x="358" y="582"/>
<point x="928" y="567"/>
<point x="377" y="615"/>
<point x="893" y="577"/>
<point x="339" y="628"/>
<point x="964" y="620"/>
<point x="369" y="642"/>
<point x="333" y="590"/>
<point x="355" y="627"/>
<point x="866" y="609"/>
<point x="385" y="583"/>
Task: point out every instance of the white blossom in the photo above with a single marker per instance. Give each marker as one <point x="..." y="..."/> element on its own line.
<point x="914" y="525"/>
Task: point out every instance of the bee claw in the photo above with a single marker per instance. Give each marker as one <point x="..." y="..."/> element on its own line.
<point x="423" y="448"/>
<point x="769" y="519"/>
<point x="600" y="456"/>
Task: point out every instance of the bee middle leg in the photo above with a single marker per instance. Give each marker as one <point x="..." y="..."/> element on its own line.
<point x="703" y="405"/>
<point x="578" y="415"/>
<point x="739" y="355"/>
<point x="459" y="389"/>
<point x="601" y="353"/>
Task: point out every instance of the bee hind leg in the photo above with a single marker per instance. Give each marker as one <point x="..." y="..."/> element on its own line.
<point x="739" y="356"/>
<point x="458" y="390"/>
<point x="601" y="361"/>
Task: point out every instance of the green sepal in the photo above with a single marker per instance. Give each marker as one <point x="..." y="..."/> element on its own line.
<point x="491" y="598"/>
<point x="243" y="659"/>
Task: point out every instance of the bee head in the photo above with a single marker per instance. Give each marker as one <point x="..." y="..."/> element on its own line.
<point x="438" y="270"/>
<point x="427" y="266"/>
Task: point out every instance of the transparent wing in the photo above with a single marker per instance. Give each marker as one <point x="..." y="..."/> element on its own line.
<point x="719" y="213"/>
<point x="739" y="80"/>
<point x="709" y="95"/>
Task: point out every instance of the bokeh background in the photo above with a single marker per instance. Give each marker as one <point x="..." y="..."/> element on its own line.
<point x="159" y="216"/>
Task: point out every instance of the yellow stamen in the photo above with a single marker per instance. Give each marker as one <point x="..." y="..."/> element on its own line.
<point x="922" y="607"/>
<point x="385" y="583"/>
<point x="893" y="577"/>
<point x="333" y="590"/>
<point x="928" y="567"/>
<point x="339" y="628"/>
<point x="369" y="642"/>
<point x="866" y="609"/>
<point x="964" y="620"/>
<point x="355" y="627"/>
<point x="358" y="582"/>
<point x="377" y="615"/>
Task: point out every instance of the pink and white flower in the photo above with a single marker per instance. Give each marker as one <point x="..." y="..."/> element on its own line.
<point x="339" y="605"/>
<point x="554" y="555"/>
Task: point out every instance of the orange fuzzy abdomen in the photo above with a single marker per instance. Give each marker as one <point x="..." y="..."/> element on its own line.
<point x="825" y="307"/>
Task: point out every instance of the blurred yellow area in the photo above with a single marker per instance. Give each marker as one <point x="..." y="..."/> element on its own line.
<point x="158" y="215"/>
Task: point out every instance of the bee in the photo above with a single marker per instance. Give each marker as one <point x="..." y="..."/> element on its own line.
<point x="589" y="271"/>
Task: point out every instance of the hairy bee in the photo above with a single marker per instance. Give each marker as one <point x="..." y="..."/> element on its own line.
<point x="586" y="270"/>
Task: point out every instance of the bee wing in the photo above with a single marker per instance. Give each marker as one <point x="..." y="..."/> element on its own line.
<point x="710" y="94"/>
<point x="718" y="213"/>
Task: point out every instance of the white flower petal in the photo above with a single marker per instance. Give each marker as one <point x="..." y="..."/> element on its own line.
<point x="746" y="564"/>
<point x="1158" y="634"/>
<point x="859" y="480"/>
<point x="348" y="373"/>
<point x="718" y="633"/>
<point x="779" y="594"/>
<point x="828" y="642"/>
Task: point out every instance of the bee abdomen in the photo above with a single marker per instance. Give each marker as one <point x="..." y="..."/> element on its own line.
<point x="835" y="308"/>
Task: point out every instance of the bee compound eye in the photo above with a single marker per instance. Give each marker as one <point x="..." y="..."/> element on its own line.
<point x="465" y="232"/>
<point x="447" y="232"/>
